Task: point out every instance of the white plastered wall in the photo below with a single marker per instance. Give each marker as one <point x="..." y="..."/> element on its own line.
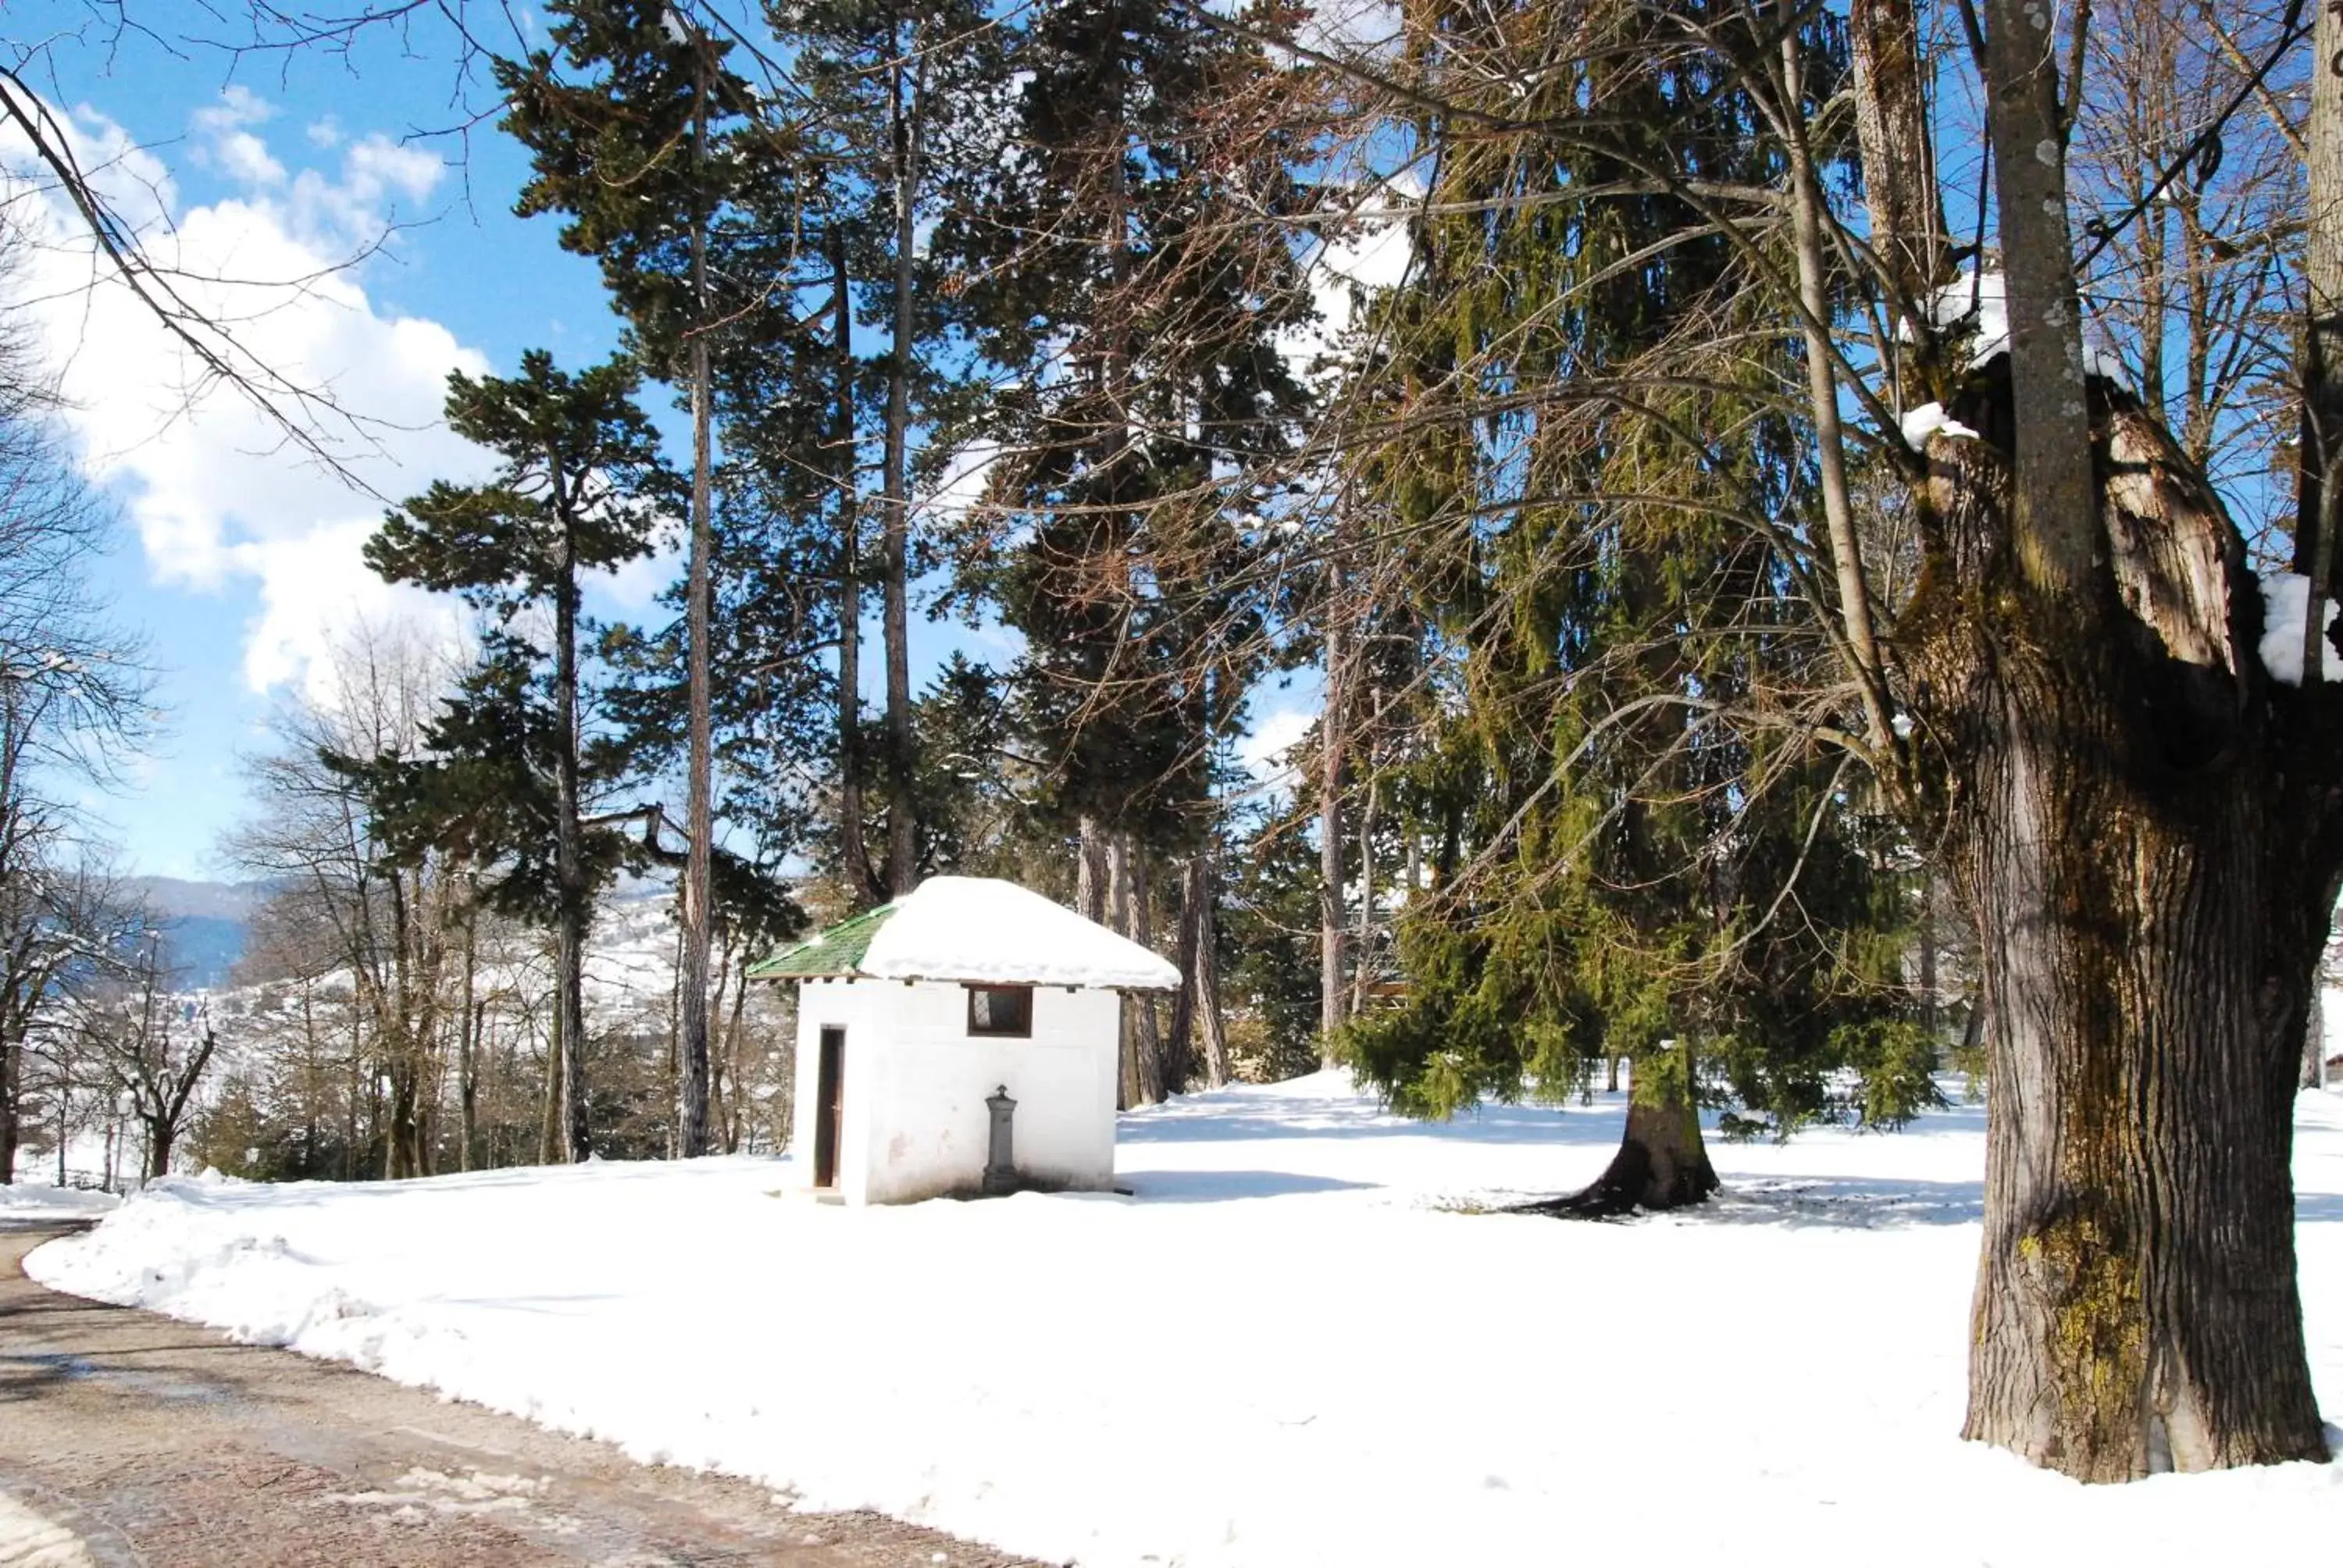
<point x="916" y="1082"/>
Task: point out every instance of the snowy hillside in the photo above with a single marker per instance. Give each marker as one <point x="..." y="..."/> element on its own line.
<point x="1255" y="1360"/>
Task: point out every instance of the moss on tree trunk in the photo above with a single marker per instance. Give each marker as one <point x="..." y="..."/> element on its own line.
<point x="2143" y="830"/>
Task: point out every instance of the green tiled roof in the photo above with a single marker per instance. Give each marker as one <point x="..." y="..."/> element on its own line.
<point x="836" y="951"/>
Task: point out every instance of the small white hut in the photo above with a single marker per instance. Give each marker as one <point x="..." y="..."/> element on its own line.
<point x="965" y="1004"/>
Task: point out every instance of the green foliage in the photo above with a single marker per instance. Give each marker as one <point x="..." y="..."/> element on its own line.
<point x="578" y="487"/>
<point x="1895" y="1061"/>
<point x="1644" y="850"/>
<point x="1119" y="267"/>
<point x="1268" y="932"/>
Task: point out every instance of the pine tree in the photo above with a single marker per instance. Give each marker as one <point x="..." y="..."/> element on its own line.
<point x="904" y="109"/>
<point x="1127" y="274"/>
<point x="579" y="487"/>
<point x="642" y="145"/>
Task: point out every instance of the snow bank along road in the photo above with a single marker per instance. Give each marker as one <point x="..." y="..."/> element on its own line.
<point x="1305" y="1339"/>
<point x="130" y="1439"/>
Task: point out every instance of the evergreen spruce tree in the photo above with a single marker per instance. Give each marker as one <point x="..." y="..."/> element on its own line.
<point x="1628" y="865"/>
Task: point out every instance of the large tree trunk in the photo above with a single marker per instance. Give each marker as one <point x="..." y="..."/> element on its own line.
<point x="1148" y="1038"/>
<point x="1662" y="1161"/>
<point x="1092" y="873"/>
<point x="1891" y="126"/>
<point x="2145" y="836"/>
<point x="403" y="1151"/>
<point x="1179" y="1044"/>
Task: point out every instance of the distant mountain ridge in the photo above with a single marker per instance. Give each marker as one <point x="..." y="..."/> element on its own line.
<point x="182" y="899"/>
<point x="205" y="925"/>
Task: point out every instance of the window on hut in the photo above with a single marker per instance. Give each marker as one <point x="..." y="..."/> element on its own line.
<point x="1000" y="1011"/>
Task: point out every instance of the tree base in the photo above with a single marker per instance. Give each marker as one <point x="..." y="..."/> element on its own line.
<point x="1661" y="1165"/>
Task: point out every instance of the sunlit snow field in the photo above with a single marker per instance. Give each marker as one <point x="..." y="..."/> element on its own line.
<point x="1298" y="1342"/>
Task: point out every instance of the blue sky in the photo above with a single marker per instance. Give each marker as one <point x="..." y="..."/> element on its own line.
<point x="270" y="160"/>
<point x="237" y="561"/>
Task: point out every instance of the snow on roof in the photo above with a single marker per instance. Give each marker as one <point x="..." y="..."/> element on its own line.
<point x="975" y="930"/>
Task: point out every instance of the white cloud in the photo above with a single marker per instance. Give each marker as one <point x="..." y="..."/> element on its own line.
<point x="223" y="142"/>
<point x="216" y="491"/>
<point x="1274" y="734"/>
<point x="238" y="105"/>
<point x="324" y="133"/>
<point x="633" y="587"/>
<point x="960" y="485"/>
<point x="376" y="166"/>
<point x="1366" y="259"/>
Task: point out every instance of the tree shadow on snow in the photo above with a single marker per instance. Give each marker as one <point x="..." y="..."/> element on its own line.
<point x="1846" y="1202"/>
<point x="1311" y="1119"/>
<point x="1851" y="1202"/>
<point x="1229" y="1186"/>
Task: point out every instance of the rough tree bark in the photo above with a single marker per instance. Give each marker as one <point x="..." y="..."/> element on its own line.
<point x="1092" y="873"/>
<point x="569" y="868"/>
<point x="1203" y="972"/>
<point x="1662" y="1161"/>
<point x="1179" y="1041"/>
<point x="853" y="847"/>
<point x="2146" y="832"/>
<point x="698" y="912"/>
<point x="1891" y="126"/>
<point x="1147" y="1036"/>
<point x="1331" y="741"/>
<point x="1141" y="1075"/>
<point x="907" y="84"/>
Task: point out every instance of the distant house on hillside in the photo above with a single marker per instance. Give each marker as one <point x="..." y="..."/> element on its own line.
<point x="967" y="1006"/>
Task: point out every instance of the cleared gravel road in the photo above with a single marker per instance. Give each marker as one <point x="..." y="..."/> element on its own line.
<point x="128" y="1438"/>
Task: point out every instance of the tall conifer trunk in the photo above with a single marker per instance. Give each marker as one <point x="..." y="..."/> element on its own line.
<point x="853" y="847"/>
<point x="1662" y="1161"/>
<point x="1203" y="974"/>
<point x="906" y="85"/>
<point x="1147" y="1037"/>
<point x="699" y="915"/>
<point x="1332" y="738"/>
<point x="568" y="864"/>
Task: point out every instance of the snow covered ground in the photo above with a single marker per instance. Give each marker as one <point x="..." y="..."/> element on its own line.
<point x="24" y="1200"/>
<point x="1297" y="1344"/>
